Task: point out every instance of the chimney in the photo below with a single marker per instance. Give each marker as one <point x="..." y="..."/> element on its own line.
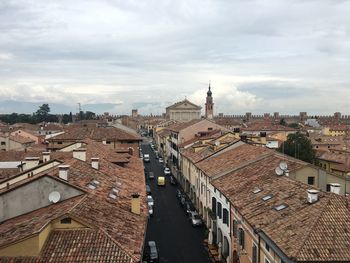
<point x="46" y="157"/>
<point x="63" y="172"/>
<point x="135" y="204"/>
<point x="80" y="154"/>
<point x="30" y="162"/>
<point x="95" y="162"/>
<point x="335" y="188"/>
<point x="312" y="196"/>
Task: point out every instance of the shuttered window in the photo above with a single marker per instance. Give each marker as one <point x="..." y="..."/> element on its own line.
<point x="241" y="237"/>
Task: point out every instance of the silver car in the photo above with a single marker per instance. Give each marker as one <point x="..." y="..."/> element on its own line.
<point x="150" y="210"/>
<point x="150" y="200"/>
<point x="196" y="220"/>
<point x="153" y="252"/>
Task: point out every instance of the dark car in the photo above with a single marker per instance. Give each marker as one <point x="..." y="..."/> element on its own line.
<point x="148" y="189"/>
<point x="150" y="175"/>
<point x="183" y="201"/>
<point x="178" y="194"/>
<point x="153" y="252"/>
<point x="172" y="180"/>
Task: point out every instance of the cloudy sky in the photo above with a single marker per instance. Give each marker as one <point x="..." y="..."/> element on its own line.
<point x="260" y="55"/>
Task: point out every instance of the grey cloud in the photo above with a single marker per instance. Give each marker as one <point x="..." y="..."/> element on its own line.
<point x="150" y="52"/>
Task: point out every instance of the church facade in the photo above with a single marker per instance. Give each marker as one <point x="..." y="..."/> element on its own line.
<point x="183" y="111"/>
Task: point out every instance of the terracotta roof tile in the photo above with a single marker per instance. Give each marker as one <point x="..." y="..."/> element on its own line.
<point x="230" y="159"/>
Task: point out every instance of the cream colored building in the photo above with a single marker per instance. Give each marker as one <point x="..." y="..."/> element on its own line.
<point x="183" y="111"/>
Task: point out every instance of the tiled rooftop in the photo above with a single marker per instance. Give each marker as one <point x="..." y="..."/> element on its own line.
<point x="230" y="159"/>
<point x="99" y="134"/>
<point x="117" y="230"/>
<point x="180" y="126"/>
<point x="304" y="232"/>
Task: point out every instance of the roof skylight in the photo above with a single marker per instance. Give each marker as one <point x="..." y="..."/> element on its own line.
<point x="112" y="195"/>
<point x="280" y="207"/>
<point x="267" y="197"/>
<point x="257" y="190"/>
<point x="91" y="186"/>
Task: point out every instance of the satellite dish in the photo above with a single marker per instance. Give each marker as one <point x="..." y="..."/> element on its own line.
<point x="278" y="171"/>
<point x="54" y="197"/>
<point x="283" y="165"/>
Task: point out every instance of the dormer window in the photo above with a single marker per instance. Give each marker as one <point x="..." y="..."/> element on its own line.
<point x="66" y="220"/>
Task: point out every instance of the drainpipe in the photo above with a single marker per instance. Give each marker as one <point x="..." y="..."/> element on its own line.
<point x="259" y="249"/>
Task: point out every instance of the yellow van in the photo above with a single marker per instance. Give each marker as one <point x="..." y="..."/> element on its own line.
<point x="161" y="181"/>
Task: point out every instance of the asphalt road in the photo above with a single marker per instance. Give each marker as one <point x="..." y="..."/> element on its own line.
<point x="177" y="241"/>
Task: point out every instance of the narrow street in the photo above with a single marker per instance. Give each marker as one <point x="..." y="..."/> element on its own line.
<point x="177" y="241"/>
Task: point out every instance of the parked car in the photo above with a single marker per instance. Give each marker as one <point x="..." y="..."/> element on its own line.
<point x="146" y="158"/>
<point x="150" y="200"/>
<point x="161" y="181"/>
<point x="150" y="210"/>
<point x="196" y="220"/>
<point x="153" y="252"/>
<point x="167" y="171"/>
<point x="178" y="194"/>
<point x="161" y="160"/>
<point x="172" y="180"/>
<point x="148" y="189"/>
<point x="189" y="208"/>
<point x="151" y="175"/>
<point x="182" y="200"/>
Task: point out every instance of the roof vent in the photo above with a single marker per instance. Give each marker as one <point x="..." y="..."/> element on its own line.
<point x="135" y="204"/>
<point x="63" y="171"/>
<point x="335" y="188"/>
<point x="95" y="162"/>
<point x="312" y="196"/>
<point x="46" y="157"/>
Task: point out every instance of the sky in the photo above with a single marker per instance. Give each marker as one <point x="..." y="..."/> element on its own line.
<point x="259" y="55"/>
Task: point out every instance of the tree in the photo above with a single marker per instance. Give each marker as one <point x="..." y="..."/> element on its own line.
<point x="299" y="146"/>
<point x="65" y="118"/>
<point x="42" y="113"/>
<point x="283" y="122"/>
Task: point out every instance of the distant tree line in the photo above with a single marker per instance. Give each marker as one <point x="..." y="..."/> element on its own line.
<point x="43" y="115"/>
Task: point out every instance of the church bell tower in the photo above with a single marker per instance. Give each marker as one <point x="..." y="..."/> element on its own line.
<point x="209" y="105"/>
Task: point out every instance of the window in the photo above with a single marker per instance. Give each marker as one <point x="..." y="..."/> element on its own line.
<point x="255" y="254"/>
<point x="66" y="220"/>
<point x="225" y="216"/>
<point x="3" y="143"/>
<point x="234" y="230"/>
<point x="328" y="187"/>
<point x="219" y="211"/>
<point x="108" y="142"/>
<point x="59" y="142"/>
<point x="267" y="247"/>
<point x="213" y="205"/>
<point x="311" y="180"/>
<point x="241" y="237"/>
